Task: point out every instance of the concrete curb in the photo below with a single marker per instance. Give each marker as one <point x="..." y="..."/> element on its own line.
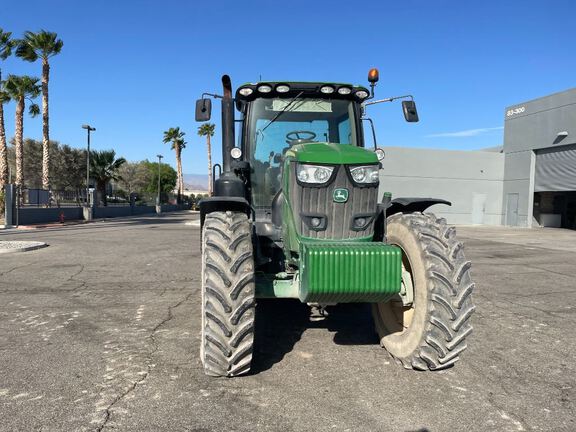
<point x="26" y="246"/>
<point x="51" y="225"/>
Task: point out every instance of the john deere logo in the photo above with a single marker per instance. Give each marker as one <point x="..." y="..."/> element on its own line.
<point x="340" y="195"/>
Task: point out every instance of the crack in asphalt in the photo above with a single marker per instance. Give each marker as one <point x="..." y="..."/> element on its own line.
<point x="495" y="303"/>
<point x="490" y="398"/>
<point x="552" y="314"/>
<point x="83" y="283"/>
<point x="15" y="268"/>
<point x="553" y="272"/>
<point x="152" y="337"/>
<point x="515" y="418"/>
<point x="71" y="278"/>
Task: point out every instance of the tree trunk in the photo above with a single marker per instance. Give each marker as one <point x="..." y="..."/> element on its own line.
<point x="209" y="165"/>
<point x="18" y="140"/>
<point x="101" y="186"/>
<point x="180" y="182"/>
<point x="3" y="149"/>
<point x="45" y="126"/>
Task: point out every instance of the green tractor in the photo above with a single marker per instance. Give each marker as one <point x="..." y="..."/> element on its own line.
<point x="296" y="215"/>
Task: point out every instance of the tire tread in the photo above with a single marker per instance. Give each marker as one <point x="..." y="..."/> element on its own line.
<point x="228" y="300"/>
<point x="450" y="293"/>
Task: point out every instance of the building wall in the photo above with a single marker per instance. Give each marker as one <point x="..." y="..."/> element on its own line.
<point x="519" y="179"/>
<point x="528" y="127"/>
<point x="36" y="215"/>
<point x="536" y="123"/>
<point x="471" y="180"/>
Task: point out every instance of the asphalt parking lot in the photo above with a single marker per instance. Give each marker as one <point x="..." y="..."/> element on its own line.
<point x="100" y="331"/>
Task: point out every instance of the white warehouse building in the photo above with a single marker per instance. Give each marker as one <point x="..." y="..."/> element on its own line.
<point x="531" y="181"/>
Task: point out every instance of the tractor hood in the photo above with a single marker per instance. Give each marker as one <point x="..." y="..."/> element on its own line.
<point x="334" y="154"/>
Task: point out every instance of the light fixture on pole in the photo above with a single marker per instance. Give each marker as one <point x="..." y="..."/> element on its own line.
<point x="159" y="163"/>
<point x="88" y="129"/>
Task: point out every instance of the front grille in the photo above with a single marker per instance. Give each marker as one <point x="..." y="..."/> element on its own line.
<point x="339" y="216"/>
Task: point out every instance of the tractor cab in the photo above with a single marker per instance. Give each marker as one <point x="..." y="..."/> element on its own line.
<point x="279" y="116"/>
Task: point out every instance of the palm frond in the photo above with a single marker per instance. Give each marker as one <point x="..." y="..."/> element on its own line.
<point x="207" y="129"/>
<point x="26" y="52"/>
<point x="6" y="44"/>
<point x="43" y="44"/>
<point x="180" y="143"/>
<point x="22" y="86"/>
<point x="34" y="110"/>
<point x="4" y="97"/>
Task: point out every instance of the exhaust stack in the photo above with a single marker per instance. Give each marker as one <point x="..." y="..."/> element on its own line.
<point x="227" y="124"/>
<point x="228" y="184"/>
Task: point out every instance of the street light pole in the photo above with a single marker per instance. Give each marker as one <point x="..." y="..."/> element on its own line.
<point x="88" y="129"/>
<point x="159" y="163"/>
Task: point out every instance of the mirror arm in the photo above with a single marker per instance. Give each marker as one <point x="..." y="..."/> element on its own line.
<point x="391" y="99"/>
<point x="215" y="96"/>
<point x="368" y="119"/>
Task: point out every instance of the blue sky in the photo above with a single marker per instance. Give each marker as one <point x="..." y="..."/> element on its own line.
<point x="132" y="69"/>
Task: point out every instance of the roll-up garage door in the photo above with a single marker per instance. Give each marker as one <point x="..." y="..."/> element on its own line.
<point x="556" y="169"/>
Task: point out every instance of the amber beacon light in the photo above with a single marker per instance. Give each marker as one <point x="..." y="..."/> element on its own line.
<point x="373" y="76"/>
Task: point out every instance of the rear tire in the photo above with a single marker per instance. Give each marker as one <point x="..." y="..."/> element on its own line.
<point x="228" y="304"/>
<point x="429" y="335"/>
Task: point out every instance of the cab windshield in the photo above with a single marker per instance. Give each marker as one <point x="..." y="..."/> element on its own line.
<point x="276" y="124"/>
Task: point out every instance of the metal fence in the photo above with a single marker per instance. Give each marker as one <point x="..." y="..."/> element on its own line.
<point x="149" y="198"/>
<point x="50" y="198"/>
<point x="28" y="197"/>
<point x="115" y="200"/>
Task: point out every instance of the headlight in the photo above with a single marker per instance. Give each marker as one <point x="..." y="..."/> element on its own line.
<point x="245" y="91"/>
<point x="365" y="174"/>
<point x="314" y="174"/>
<point x="264" y="88"/>
<point x="282" y="88"/>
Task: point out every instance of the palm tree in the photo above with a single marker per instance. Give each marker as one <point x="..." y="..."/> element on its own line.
<point x="20" y="89"/>
<point x="176" y="137"/>
<point x="207" y="130"/>
<point x="42" y="45"/>
<point x="103" y="168"/>
<point x="6" y="45"/>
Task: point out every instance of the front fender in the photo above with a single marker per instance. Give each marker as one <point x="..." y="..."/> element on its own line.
<point x="401" y="205"/>
<point x="222" y="203"/>
<point x="411" y="205"/>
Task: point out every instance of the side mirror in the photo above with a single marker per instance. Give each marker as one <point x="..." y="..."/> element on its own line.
<point x="409" y="109"/>
<point x="203" y="110"/>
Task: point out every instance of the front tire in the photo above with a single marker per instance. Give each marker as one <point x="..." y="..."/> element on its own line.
<point x="228" y="303"/>
<point x="430" y="334"/>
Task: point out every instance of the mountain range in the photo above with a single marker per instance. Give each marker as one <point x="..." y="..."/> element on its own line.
<point x="195" y="181"/>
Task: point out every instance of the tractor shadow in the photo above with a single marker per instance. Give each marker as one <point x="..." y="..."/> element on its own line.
<point x="280" y="324"/>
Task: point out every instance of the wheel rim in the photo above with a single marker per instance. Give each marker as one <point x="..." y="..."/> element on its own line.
<point x="394" y="316"/>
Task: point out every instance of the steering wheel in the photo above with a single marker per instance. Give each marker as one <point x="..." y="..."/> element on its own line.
<point x="300" y="137"/>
